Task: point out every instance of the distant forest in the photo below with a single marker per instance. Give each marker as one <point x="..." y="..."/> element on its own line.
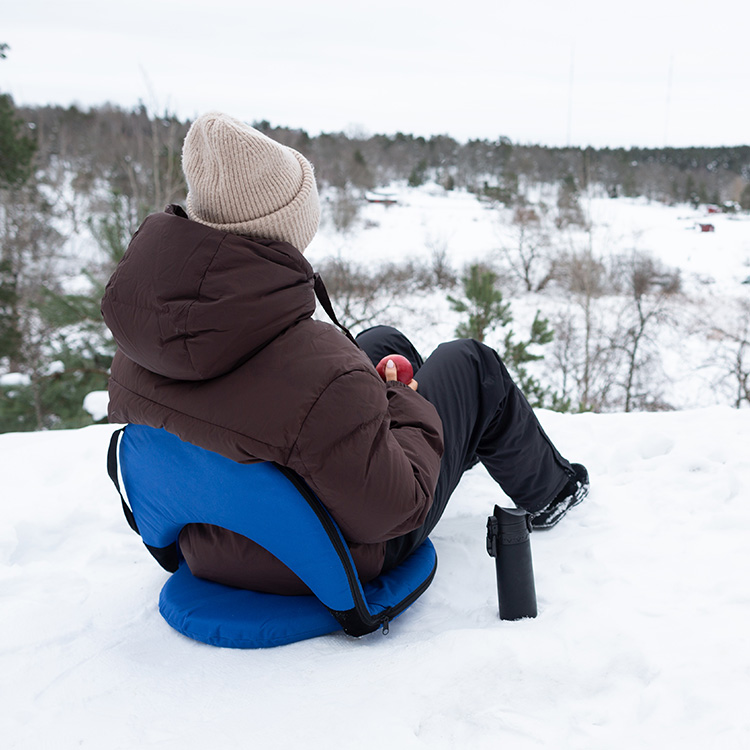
<point x="128" y="148"/>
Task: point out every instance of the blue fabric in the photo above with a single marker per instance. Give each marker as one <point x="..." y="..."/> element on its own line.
<point x="235" y="618"/>
<point x="170" y="483"/>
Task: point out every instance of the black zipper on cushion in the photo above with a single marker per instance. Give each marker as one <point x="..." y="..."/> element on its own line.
<point x="407" y="601"/>
<point x="367" y="622"/>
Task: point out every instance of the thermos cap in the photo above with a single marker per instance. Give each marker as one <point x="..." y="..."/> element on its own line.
<point x="514" y="525"/>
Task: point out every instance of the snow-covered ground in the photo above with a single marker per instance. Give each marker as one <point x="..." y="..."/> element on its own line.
<point x="642" y="637"/>
<point x="429" y="217"/>
<point x="694" y="352"/>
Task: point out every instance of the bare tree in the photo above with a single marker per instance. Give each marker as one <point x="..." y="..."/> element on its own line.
<point x="146" y="167"/>
<point x="363" y="296"/>
<point x="606" y="351"/>
<point x="444" y="275"/>
<point x="343" y="206"/>
<point x="582" y="350"/>
<point x="529" y="254"/>
<point x="569" y="211"/>
<point x="648" y="287"/>
<point x="733" y="352"/>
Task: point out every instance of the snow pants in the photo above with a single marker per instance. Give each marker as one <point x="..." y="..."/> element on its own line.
<point x="485" y="418"/>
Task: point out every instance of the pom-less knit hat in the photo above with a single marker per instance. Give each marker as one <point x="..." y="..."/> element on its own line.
<point x="243" y="182"/>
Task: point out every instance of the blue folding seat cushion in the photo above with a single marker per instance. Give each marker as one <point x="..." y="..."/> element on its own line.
<point x="168" y="483"/>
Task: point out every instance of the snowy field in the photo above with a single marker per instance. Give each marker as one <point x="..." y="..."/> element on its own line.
<point x="695" y="353"/>
<point x="644" y="603"/>
<point x="429" y="217"/>
<point x="641" y="640"/>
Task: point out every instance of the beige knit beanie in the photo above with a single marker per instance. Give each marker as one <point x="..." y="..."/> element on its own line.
<point x="243" y="182"/>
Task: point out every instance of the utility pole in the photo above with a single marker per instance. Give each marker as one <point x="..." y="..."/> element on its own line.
<point x="668" y="100"/>
<point x="570" y="93"/>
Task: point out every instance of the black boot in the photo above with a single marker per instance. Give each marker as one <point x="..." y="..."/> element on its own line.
<point x="573" y="493"/>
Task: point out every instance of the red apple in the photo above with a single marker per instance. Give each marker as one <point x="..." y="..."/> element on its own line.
<point x="404" y="370"/>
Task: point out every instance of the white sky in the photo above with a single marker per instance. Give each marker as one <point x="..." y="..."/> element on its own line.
<point x="554" y="72"/>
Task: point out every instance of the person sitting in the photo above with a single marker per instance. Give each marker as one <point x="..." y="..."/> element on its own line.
<point x="212" y="311"/>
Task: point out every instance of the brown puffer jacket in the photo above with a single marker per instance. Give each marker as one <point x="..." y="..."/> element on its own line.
<point x="216" y="344"/>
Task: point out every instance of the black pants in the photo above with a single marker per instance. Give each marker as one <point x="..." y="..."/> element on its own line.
<point x="485" y="418"/>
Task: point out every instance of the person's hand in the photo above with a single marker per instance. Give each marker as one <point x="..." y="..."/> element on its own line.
<point x="391" y="373"/>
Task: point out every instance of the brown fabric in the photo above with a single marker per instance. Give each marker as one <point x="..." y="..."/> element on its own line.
<point x="223" y="556"/>
<point x="217" y="345"/>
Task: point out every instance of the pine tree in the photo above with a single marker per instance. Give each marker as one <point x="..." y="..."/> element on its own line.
<point x="9" y="334"/>
<point x="16" y="146"/>
<point x="518" y="354"/>
<point x="79" y="343"/>
<point x="16" y="155"/>
<point x="483" y="302"/>
<point x="418" y="175"/>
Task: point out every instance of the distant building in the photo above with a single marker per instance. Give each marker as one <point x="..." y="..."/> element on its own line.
<point x="381" y="196"/>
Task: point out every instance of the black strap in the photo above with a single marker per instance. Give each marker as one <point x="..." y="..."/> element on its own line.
<point x="168" y="557"/>
<point x="322" y="294"/>
<point x="112" y="471"/>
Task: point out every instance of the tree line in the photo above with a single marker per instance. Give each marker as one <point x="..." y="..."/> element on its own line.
<point x="109" y="143"/>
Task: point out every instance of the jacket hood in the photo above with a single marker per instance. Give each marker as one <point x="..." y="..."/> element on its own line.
<point x="191" y="303"/>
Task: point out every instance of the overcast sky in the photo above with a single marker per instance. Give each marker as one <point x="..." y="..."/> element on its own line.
<point x="642" y="72"/>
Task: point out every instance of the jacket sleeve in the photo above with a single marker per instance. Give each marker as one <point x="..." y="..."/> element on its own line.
<point x="372" y="455"/>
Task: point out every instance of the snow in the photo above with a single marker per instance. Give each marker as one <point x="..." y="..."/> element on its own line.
<point x="642" y="635"/>
<point x="96" y="403"/>
<point x="422" y="218"/>
<point x="11" y="379"/>
<point x="641" y="639"/>
<point x="430" y="217"/>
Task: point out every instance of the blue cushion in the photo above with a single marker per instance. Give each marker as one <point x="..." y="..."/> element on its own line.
<point x="170" y="483"/>
<point x="234" y="618"/>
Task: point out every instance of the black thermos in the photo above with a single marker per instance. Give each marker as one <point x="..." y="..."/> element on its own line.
<point x="508" y="542"/>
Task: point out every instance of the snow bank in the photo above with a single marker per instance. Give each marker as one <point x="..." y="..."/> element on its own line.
<point x="96" y="403"/>
<point x="641" y="640"/>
